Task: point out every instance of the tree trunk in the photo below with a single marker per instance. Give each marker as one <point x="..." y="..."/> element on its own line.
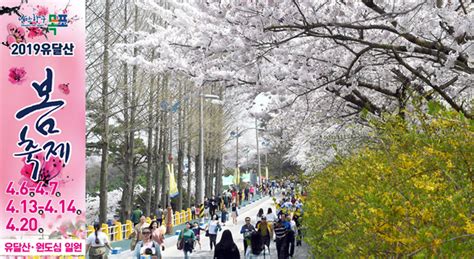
<point x="156" y="155"/>
<point x="197" y="168"/>
<point x="159" y="152"/>
<point x="180" y="153"/>
<point x="149" y="173"/>
<point x="189" y="178"/>
<point x="133" y="111"/>
<point x="164" y="172"/>
<point x="219" y="175"/>
<point x="130" y="172"/>
<point x="188" y="120"/>
<point x="150" y="160"/>
<point x="206" y="178"/>
<point x="105" y="120"/>
<point x="164" y="154"/>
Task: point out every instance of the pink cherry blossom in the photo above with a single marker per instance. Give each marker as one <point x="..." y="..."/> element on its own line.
<point x="16" y="34"/>
<point x="42" y="11"/>
<point x="81" y="218"/>
<point x="11" y="40"/>
<point x="79" y="233"/>
<point x="63" y="230"/>
<point x="34" y="32"/>
<point x="64" y="88"/>
<point x="11" y="28"/>
<point x="20" y="32"/>
<point x="17" y="75"/>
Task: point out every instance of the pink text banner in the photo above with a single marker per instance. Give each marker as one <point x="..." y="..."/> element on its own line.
<point x="42" y="133"/>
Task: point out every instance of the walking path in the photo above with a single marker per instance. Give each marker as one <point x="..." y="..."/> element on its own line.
<point x="251" y="211"/>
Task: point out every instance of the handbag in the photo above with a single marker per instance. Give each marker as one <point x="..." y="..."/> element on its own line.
<point x="97" y="251"/>
<point x="180" y="244"/>
<point x="207" y="233"/>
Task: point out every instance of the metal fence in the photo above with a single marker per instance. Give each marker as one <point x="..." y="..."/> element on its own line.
<point x="120" y="231"/>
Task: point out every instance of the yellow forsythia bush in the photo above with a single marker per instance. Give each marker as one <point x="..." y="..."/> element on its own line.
<point x="409" y="194"/>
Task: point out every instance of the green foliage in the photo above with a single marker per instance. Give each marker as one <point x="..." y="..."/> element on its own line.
<point x="434" y="107"/>
<point x="408" y="195"/>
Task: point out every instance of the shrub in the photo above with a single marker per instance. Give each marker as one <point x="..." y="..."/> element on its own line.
<point x="410" y="194"/>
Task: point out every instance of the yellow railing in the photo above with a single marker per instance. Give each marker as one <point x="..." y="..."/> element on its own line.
<point x="120" y="231"/>
<point x="116" y="232"/>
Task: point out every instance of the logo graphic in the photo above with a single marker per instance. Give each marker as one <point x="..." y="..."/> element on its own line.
<point x="53" y="22"/>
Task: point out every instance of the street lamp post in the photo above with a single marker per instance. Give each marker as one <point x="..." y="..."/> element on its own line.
<point x="200" y="175"/>
<point x="237" y="134"/>
<point x="258" y="153"/>
<point x="237" y="149"/>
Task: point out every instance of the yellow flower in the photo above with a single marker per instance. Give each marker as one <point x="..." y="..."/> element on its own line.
<point x="469" y="227"/>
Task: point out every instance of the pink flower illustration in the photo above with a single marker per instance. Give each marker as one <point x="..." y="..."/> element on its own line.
<point x="63" y="230"/>
<point x="42" y="11"/>
<point x="64" y="88"/>
<point x="48" y="171"/>
<point x="81" y="218"/>
<point x="79" y="233"/>
<point x="15" y="34"/>
<point x="34" y="32"/>
<point x="17" y="75"/>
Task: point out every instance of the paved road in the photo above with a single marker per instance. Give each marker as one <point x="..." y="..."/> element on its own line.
<point x="249" y="211"/>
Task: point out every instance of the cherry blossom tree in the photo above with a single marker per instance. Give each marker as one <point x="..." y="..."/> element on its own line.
<point x="322" y="64"/>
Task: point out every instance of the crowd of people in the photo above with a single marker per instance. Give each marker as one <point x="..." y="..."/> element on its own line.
<point x="283" y="226"/>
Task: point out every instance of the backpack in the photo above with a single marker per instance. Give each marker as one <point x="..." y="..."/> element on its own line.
<point x="154" y="246"/>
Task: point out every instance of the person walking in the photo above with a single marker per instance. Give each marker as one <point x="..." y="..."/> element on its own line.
<point x="234" y="195"/>
<point x="147" y="246"/>
<point x="136" y="215"/>
<point x="193" y="212"/>
<point x="292" y="233"/>
<point x="157" y="234"/>
<point x="97" y="244"/>
<point x="297" y="218"/>
<point x="159" y="215"/>
<point x="226" y="248"/>
<point x="197" y="233"/>
<point x="271" y="217"/>
<point x="266" y="231"/>
<point x="211" y="230"/>
<point x="224" y="215"/>
<point x="186" y="240"/>
<point x="198" y="210"/>
<point x="235" y="213"/>
<point x="137" y="232"/>
<point x="257" y="249"/>
<point x="211" y="205"/>
<point x="207" y="209"/>
<point x="260" y="214"/>
<point x="280" y="239"/>
<point x="246" y="230"/>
